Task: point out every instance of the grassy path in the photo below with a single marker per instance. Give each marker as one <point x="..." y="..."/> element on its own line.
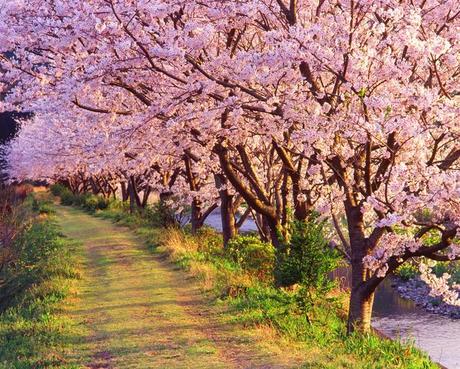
<point x="134" y="310"/>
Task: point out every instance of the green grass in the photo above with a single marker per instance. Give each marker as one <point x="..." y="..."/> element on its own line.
<point x="33" y="333"/>
<point x="248" y="303"/>
<point x="112" y="300"/>
<point x="140" y="311"/>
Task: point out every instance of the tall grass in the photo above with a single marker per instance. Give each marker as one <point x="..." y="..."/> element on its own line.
<point x="32" y="332"/>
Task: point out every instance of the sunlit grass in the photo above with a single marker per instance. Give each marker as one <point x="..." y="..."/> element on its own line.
<point x="270" y="313"/>
<point x="33" y="332"/>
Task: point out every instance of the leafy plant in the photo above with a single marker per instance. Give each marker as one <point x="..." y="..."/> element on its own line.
<point x="307" y="261"/>
<point x="407" y="271"/>
<point x="57" y="189"/>
<point x="253" y="255"/>
<point x="31" y="333"/>
<point x="41" y="206"/>
<point x="67" y="197"/>
<point x="92" y="203"/>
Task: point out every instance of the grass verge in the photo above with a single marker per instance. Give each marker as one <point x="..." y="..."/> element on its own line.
<point x="254" y="302"/>
<point x="33" y="333"/>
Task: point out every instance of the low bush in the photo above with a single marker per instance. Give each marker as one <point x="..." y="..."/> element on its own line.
<point x="67" y="197"/>
<point x="57" y="189"/>
<point x="14" y="219"/>
<point x="209" y="241"/>
<point x="253" y="255"/>
<point x="307" y="259"/>
<point x="90" y="203"/>
<point x="32" y="249"/>
<point x="42" y="206"/>
<point x="163" y="214"/>
<point x="93" y="203"/>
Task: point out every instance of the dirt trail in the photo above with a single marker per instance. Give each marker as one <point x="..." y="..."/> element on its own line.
<point x="135" y="310"/>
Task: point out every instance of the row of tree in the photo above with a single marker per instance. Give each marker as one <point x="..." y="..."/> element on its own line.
<point x="344" y="107"/>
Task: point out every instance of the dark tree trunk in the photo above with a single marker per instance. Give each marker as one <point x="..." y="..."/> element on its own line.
<point x="132" y="197"/>
<point x="124" y="192"/>
<point x="262" y="227"/>
<point x="135" y="192"/>
<point x="227" y="210"/>
<point x="94" y="187"/>
<point x="362" y="294"/>
<point x="145" y="196"/>
<point x="196" y="216"/>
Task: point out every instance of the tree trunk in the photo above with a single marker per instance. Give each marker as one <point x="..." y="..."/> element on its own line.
<point x="135" y="192"/>
<point x="124" y="192"/>
<point x="196" y="219"/>
<point x="132" y="197"/>
<point x="276" y="235"/>
<point x="227" y="215"/>
<point x="94" y="187"/>
<point x="264" y="232"/>
<point x="227" y="210"/>
<point x="362" y="294"/>
<point x="360" y="313"/>
<point x="145" y="196"/>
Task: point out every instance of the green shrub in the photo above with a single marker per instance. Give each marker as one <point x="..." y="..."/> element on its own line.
<point x="92" y="203"/>
<point x="209" y="241"/>
<point x="86" y="201"/>
<point x="67" y="197"/>
<point x="41" y="206"/>
<point x="253" y="255"/>
<point x="32" y="248"/>
<point x="32" y="288"/>
<point x="102" y="203"/>
<point x="160" y="215"/>
<point x="80" y="199"/>
<point x="307" y="259"/>
<point x="89" y="203"/>
<point x="57" y="189"/>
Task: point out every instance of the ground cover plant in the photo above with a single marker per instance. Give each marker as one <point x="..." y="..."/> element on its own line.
<point x="312" y="314"/>
<point x="38" y="276"/>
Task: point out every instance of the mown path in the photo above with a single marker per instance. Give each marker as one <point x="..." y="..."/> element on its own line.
<point x="135" y="310"/>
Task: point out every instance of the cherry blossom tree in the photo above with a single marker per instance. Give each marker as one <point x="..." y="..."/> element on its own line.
<point x="345" y="107"/>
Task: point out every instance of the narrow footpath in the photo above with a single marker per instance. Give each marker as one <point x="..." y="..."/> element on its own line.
<point x="133" y="309"/>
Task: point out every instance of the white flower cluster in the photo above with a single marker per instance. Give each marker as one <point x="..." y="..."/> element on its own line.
<point x="391" y="245"/>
